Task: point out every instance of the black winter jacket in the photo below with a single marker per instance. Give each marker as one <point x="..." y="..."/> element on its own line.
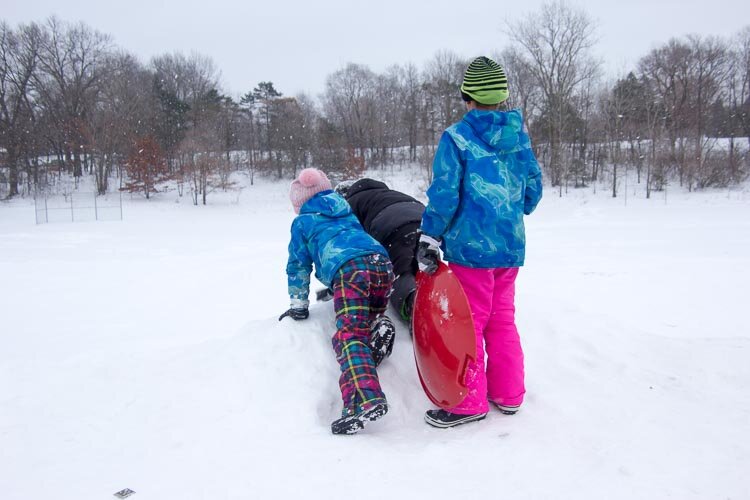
<point x="386" y="215"/>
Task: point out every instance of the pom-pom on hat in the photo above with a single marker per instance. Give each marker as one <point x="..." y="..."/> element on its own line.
<point x="310" y="182"/>
<point x="485" y="82"/>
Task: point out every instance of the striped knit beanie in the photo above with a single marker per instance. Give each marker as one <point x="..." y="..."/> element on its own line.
<point x="485" y="82"/>
<point x="310" y="182"/>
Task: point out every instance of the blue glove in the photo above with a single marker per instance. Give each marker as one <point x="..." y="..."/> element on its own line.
<point x="428" y="254"/>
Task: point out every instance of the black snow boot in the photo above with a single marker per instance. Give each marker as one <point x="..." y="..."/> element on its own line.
<point x="352" y="424"/>
<point x="443" y="419"/>
<point x="382" y="335"/>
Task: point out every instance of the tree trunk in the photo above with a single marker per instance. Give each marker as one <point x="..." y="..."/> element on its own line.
<point x="732" y="161"/>
<point x="12" y="172"/>
<point x="614" y="180"/>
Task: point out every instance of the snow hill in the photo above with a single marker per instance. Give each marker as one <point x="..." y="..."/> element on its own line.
<point x="146" y="354"/>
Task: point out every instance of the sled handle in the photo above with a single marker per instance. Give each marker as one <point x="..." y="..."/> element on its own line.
<point x="462" y="378"/>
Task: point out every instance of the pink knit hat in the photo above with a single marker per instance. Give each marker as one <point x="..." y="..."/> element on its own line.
<point x="304" y="187"/>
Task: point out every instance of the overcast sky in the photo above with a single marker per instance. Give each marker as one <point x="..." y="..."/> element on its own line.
<point x="296" y="44"/>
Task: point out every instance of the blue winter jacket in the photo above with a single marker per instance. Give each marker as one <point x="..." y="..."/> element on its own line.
<point x="325" y="233"/>
<point x="485" y="178"/>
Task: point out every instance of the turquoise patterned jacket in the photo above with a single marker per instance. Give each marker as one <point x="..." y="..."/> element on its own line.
<point x="325" y="233"/>
<point x="485" y="178"/>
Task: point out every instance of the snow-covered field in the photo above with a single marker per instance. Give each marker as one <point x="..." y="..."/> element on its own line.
<point x="146" y="354"/>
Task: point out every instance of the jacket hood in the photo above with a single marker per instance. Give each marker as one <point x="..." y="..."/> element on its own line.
<point x="500" y="130"/>
<point x="364" y="185"/>
<point x="326" y="203"/>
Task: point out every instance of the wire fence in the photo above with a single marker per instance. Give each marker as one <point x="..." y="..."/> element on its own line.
<point x="78" y="207"/>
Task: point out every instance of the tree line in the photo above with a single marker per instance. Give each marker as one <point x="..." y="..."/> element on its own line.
<point x="72" y="105"/>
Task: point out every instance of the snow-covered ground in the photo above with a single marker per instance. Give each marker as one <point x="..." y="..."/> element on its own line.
<point x="146" y="354"/>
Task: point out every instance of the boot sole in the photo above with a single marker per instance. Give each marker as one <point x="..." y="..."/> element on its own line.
<point x="382" y="340"/>
<point x="355" y="423"/>
<point x="445" y="425"/>
<point x="508" y="410"/>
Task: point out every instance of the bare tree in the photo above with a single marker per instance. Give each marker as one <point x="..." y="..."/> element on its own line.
<point x="738" y="98"/>
<point x="124" y="116"/>
<point x="71" y="62"/>
<point x="442" y="104"/>
<point x="289" y="134"/>
<point x="688" y="80"/>
<point x="556" y="44"/>
<point x="666" y="70"/>
<point x="305" y="127"/>
<point x="201" y="161"/>
<point x="442" y="77"/>
<point x="409" y="103"/>
<point x="743" y="97"/>
<point x="524" y="93"/>
<point x="709" y="70"/>
<point x="19" y="56"/>
<point x="189" y="78"/>
<point x="634" y="97"/>
<point x="348" y="99"/>
<point x="384" y="118"/>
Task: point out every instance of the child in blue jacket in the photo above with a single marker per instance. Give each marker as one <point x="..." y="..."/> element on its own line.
<point x="326" y="234"/>
<point x="485" y="179"/>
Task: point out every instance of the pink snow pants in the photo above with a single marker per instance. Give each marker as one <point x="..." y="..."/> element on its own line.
<point x="491" y="294"/>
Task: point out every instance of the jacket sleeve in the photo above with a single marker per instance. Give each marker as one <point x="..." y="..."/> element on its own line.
<point x="298" y="268"/>
<point x="444" y="192"/>
<point x="533" y="185"/>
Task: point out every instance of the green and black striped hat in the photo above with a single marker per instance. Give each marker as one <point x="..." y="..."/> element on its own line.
<point x="485" y="82"/>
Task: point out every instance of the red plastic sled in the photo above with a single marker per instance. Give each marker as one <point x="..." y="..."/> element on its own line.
<point x="444" y="339"/>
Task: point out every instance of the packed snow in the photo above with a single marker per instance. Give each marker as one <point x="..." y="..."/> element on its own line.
<point x="147" y="354"/>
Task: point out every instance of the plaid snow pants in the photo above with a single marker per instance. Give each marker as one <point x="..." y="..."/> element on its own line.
<point x="361" y="288"/>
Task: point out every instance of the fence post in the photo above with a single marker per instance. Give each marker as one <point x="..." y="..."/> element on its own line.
<point x="96" y="209"/>
<point x="72" y="212"/>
